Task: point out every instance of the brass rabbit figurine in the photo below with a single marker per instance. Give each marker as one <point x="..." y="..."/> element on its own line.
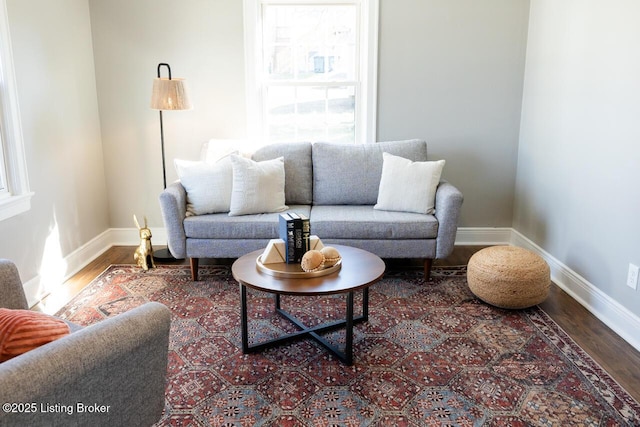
<point x="144" y="253"/>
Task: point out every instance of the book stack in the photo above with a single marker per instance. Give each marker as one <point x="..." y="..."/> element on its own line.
<point x="295" y="231"/>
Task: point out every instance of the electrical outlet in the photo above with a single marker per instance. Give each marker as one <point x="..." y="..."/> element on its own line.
<point x="632" y="276"/>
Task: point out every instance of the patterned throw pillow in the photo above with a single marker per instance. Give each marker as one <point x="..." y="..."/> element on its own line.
<point x="24" y="330"/>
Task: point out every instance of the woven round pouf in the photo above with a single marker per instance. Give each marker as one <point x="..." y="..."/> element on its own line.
<point x="508" y="277"/>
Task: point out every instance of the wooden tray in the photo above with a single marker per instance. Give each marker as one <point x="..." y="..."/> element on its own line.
<point x="293" y="271"/>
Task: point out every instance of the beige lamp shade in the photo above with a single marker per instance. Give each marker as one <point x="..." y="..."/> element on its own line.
<point x="169" y="94"/>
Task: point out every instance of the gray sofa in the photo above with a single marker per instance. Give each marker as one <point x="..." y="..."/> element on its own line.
<point x="336" y="186"/>
<point x="120" y="362"/>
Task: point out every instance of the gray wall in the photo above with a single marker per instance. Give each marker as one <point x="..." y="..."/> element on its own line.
<point x="53" y="59"/>
<point x="451" y="72"/>
<point x="203" y="42"/>
<point x="577" y="193"/>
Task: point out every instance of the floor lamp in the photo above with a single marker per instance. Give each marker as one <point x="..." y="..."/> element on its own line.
<point x="167" y="94"/>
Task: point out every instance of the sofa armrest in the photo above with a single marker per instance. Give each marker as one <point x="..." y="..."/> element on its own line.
<point x="11" y="290"/>
<point x="448" y="204"/>
<point x="118" y="366"/>
<point x="173" y="204"/>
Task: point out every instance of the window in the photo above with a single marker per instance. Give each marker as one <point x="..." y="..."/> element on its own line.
<point x="311" y="70"/>
<point x="3" y="173"/>
<point x="15" y="196"/>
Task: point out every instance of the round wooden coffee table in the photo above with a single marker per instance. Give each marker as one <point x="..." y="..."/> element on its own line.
<point x="360" y="269"/>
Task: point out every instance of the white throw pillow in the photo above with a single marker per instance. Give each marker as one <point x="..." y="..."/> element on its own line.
<point x="258" y="187"/>
<point x="408" y="186"/>
<point x="208" y="185"/>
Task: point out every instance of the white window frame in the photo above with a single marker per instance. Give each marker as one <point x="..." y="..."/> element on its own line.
<point x="15" y="197"/>
<point x="366" y="90"/>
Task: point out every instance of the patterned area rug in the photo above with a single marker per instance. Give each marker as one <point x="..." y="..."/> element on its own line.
<point x="430" y="355"/>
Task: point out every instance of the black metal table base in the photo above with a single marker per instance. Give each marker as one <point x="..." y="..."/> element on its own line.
<point x="345" y="356"/>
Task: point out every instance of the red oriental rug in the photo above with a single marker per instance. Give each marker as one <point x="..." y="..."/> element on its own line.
<point x="431" y="354"/>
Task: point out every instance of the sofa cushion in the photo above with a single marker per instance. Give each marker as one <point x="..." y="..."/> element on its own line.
<point x="364" y="222"/>
<point x="349" y="174"/>
<point x="258" y="187"/>
<point x="223" y="226"/>
<point x="24" y="330"/>
<point x="297" y="169"/>
<point x="408" y="186"/>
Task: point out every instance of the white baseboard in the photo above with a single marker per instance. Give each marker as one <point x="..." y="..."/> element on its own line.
<point x="617" y="317"/>
<point x="130" y="236"/>
<point x="81" y="257"/>
<point x="471" y="236"/>
<point x="610" y="312"/>
<point x="35" y="289"/>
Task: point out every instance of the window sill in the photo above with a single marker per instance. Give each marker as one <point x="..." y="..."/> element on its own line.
<point x="14" y="205"/>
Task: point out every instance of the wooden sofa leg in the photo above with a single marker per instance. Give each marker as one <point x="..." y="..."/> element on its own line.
<point x="427" y="269"/>
<point x="194" y="268"/>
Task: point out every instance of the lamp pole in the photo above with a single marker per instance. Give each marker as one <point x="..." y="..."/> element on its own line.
<point x="167" y="94"/>
<point x="164" y="168"/>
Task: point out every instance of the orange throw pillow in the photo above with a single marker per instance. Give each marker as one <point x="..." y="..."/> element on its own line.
<point x="24" y="330"/>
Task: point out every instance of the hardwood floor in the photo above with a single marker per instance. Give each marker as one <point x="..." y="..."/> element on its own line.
<point x="614" y="354"/>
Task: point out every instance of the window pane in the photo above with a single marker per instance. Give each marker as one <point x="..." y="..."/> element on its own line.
<point x="311" y="113"/>
<point x="311" y="120"/>
<point x="280" y="65"/>
<point x="316" y="43"/>
<point x="281" y="113"/>
<point x="341" y="115"/>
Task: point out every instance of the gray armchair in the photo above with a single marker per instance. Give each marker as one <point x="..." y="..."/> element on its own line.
<point x="118" y="364"/>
